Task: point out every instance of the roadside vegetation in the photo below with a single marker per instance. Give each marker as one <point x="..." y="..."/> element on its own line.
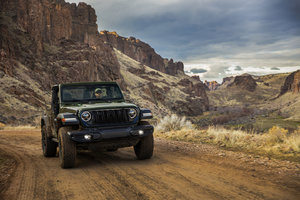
<point x="275" y="142"/>
<point x="17" y="128"/>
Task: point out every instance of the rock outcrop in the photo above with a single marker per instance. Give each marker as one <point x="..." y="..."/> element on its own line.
<point x="211" y="85"/>
<point x="142" y="52"/>
<point x="49" y="21"/>
<point x="245" y="82"/>
<point x="47" y="42"/>
<point x="292" y="83"/>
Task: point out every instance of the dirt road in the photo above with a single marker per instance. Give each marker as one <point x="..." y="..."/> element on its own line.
<point x="177" y="171"/>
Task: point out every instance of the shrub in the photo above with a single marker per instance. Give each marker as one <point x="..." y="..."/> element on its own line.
<point x="173" y="123"/>
<point x="2" y="126"/>
<point x="228" y="137"/>
<point x="276" y="135"/>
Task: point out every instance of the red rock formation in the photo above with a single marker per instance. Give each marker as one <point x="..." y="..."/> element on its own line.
<point x="142" y="52"/>
<point x="212" y="85"/>
<point x="292" y="83"/>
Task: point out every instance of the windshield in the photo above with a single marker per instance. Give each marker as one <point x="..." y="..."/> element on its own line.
<point x="78" y="93"/>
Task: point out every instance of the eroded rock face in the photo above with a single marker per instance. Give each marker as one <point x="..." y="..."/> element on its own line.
<point x="42" y="28"/>
<point x="49" y="21"/>
<point x="197" y="98"/>
<point x="142" y="52"/>
<point x="292" y="83"/>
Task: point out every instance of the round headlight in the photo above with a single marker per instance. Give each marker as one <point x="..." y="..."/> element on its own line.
<point x="132" y="113"/>
<point x="86" y="116"/>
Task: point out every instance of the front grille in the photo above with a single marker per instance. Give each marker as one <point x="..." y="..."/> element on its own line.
<point x="110" y="116"/>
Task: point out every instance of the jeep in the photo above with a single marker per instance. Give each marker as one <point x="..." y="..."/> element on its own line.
<point x="93" y="116"/>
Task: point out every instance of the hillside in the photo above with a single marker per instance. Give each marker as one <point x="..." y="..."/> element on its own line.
<point x="48" y="42"/>
<point x="257" y="103"/>
<point x="163" y="93"/>
<point x="234" y="93"/>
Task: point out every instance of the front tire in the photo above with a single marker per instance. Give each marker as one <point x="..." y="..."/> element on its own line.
<point x="112" y="149"/>
<point x="144" y="149"/>
<point x="67" y="149"/>
<point x="49" y="147"/>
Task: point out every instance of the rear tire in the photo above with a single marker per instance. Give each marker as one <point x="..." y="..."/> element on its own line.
<point x="144" y="149"/>
<point x="67" y="149"/>
<point x="49" y="147"/>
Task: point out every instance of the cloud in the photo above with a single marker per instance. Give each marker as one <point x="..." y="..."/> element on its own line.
<point x="238" y="68"/>
<point x="275" y="68"/>
<point x="198" y="71"/>
<point x="215" y="72"/>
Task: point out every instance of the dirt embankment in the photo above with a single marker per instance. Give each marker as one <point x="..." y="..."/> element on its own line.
<point x="177" y="171"/>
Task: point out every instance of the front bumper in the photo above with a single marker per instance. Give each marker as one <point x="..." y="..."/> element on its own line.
<point x="99" y="134"/>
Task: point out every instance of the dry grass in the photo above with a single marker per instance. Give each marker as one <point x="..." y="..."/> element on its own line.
<point x="173" y="123"/>
<point x="227" y="137"/>
<point x="276" y="142"/>
<point x="2" y="125"/>
<point x="19" y="128"/>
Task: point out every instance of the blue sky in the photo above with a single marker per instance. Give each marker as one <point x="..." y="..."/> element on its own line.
<point x="258" y="36"/>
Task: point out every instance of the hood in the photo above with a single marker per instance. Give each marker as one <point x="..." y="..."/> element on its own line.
<point x="75" y="108"/>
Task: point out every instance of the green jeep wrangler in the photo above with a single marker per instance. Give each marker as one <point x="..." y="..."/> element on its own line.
<point x="94" y="116"/>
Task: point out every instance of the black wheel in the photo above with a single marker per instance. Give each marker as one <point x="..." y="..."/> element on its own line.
<point x="144" y="149"/>
<point x="49" y="147"/>
<point x="112" y="149"/>
<point x="67" y="149"/>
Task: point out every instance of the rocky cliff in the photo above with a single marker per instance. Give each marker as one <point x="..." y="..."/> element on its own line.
<point x="292" y="83"/>
<point x="45" y="42"/>
<point x="142" y="52"/>
<point x="244" y="81"/>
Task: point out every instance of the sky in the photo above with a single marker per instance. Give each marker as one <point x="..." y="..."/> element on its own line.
<point x="215" y="38"/>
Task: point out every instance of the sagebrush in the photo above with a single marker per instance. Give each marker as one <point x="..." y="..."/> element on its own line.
<point x="173" y="123"/>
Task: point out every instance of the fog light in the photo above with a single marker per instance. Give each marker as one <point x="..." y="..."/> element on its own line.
<point x="141" y="132"/>
<point x="87" y="137"/>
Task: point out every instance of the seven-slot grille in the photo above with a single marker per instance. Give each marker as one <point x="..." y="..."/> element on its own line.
<point x="110" y="116"/>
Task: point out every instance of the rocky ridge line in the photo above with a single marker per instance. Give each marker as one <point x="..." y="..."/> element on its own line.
<point x="142" y="52"/>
